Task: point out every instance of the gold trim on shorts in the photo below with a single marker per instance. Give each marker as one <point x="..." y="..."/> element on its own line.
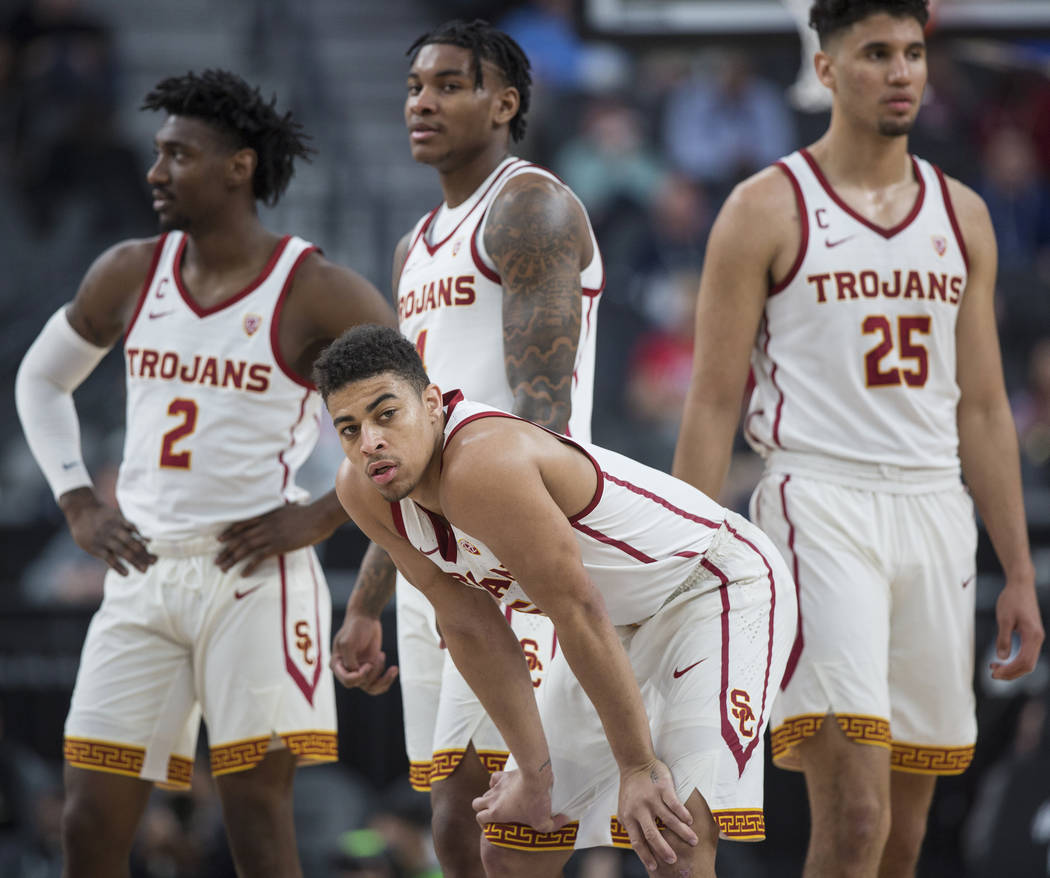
<point x="446" y="761"/>
<point x="858" y="727"/>
<point x="309" y="747"/>
<point x="113" y="758"/>
<point x="419" y="775"/>
<point x="519" y="837"/>
<point x="741" y="824"/>
<point x="926" y="759"/>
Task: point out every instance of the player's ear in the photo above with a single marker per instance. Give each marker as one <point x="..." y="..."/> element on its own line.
<point x="241" y="167"/>
<point x="507" y="103"/>
<point x="432" y="400"/>
<point x="823" y="65"/>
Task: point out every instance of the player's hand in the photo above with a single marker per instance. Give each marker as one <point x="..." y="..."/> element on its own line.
<point x="101" y="530"/>
<point x="276" y="532"/>
<point x="1017" y="610"/>
<point x="357" y="657"/>
<point x="648" y="794"/>
<point x="510" y="799"/>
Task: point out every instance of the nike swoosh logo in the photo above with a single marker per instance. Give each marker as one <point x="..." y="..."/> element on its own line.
<point x="69" y="464"/>
<point x="966" y="582"/>
<point x="153" y="315"/>
<point x="238" y="594"/>
<point x="829" y="243"/>
<point x="679" y="673"/>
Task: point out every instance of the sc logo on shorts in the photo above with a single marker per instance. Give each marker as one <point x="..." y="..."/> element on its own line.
<point x="742" y="712"/>
<point x="303" y="641"/>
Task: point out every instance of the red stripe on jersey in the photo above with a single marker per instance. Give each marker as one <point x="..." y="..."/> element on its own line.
<point x="952" y="218"/>
<point x="291" y="443"/>
<point x="803" y="219"/>
<point x="886" y="233"/>
<point x="157" y="250"/>
<point x="626" y="548"/>
<point x="399" y="519"/>
<point x="796" y="648"/>
<point x="649" y="495"/>
<point x="276" y="320"/>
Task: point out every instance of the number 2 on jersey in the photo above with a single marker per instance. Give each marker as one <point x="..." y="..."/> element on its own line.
<point x="169" y="457"/>
<point x="907" y="348"/>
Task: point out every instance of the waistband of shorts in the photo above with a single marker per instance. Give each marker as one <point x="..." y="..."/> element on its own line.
<point x="886" y="477"/>
<point x="188" y="548"/>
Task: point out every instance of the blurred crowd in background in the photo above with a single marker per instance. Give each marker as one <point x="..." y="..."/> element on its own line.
<point x="652" y="135"/>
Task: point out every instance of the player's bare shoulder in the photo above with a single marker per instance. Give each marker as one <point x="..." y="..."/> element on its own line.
<point x="320" y="285"/>
<point x="106" y="299"/>
<point x="971" y="213"/>
<point x="765" y="209"/>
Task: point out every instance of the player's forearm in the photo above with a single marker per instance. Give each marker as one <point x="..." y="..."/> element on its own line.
<point x="375" y="583"/>
<point x="489" y="657"/>
<point x="330" y="513"/>
<point x="597" y="658"/>
<point x="991" y="468"/>
<point x="705" y="444"/>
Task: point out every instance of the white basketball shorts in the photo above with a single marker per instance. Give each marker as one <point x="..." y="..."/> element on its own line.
<point x="886" y="572"/>
<point x="184" y="640"/>
<point x="709" y="665"/>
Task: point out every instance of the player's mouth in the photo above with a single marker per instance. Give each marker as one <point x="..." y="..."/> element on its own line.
<point x="382" y="471"/>
<point x="160" y="200"/>
<point x="900" y="103"/>
<point x="421" y="133"/>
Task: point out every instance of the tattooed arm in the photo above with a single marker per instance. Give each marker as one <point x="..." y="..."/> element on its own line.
<point x="539" y="240"/>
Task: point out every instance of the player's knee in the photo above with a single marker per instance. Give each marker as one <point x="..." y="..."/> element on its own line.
<point x="504" y="862"/>
<point x="86" y="833"/>
<point x="456" y="836"/>
<point x="863" y="820"/>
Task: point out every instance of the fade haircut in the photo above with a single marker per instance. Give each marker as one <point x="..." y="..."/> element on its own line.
<point x="243" y="117"/>
<point x="828" y="17"/>
<point x="486" y="43"/>
<point x="364" y="352"/>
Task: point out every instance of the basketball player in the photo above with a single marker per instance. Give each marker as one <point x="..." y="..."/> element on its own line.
<point x="215" y="603"/>
<point x="473" y="504"/>
<point x="858" y="280"/>
<point x="498" y="287"/>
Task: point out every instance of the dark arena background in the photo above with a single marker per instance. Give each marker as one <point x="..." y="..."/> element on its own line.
<point x="651" y="110"/>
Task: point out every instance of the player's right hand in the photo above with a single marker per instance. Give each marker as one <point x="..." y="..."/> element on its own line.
<point x="646" y="795"/>
<point x="510" y="799"/>
<point x="101" y="530"/>
<point x="358" y="660"/>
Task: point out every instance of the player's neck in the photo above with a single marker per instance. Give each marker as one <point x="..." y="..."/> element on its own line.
<point x="864" y="160"/>
<point x="227" y="246"/>
<point x="460" y="182"/>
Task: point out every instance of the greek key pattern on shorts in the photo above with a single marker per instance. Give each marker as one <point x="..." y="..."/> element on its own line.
<point x="419" y="775"/>
<point x="858" y="727"/>
<point x="525" y="838"/>
<point x="618" y="832"/>
<point x="924" y="759"/>
<point x="445" y="762"/>
<point x="238" y="756"/>
<point x="314" y="746"/>
<point x="180" y="770"/>
<point x="104" y="756"/>
<point x="742" y="824"/>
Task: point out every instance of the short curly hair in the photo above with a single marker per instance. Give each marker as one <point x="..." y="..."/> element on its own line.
<point x="366" y="351"/>
<point x="486" y="43"/>
<point x="241" y="114"/>
<point x="828" y="17"/>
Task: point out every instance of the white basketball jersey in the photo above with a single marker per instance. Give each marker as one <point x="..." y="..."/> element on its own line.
<point x="640" y="537"/>
<point x="217" y="424"/>
<point x="855" y="356"/>
<point x="450" y="305"/>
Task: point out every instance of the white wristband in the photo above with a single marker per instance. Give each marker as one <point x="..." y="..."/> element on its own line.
<point x="53" y="367"/>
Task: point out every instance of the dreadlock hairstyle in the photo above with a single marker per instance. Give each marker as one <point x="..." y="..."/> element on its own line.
<point x="486" y="43"/>
<point x="365" y="351"/>
<point x="827" y="17"/>
<point x="242" y="115"/>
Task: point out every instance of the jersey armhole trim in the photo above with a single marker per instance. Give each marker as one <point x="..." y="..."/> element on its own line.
<point x="146" y="284"/>
<point x="275" y="322"/>
<point x="803" y="223"/>
<point x="952" y="218"/>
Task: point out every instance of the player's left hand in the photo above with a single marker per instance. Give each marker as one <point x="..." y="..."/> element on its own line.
<point x="648" y="794"/>
<point x="1017" y="610"/>
<point x="281" y="530"/>
<point x="510" y="799"/>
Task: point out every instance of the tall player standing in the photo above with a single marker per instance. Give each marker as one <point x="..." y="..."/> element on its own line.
<point x="859" y="282"/>
<point x="498" y="287"/>
<point x="215" y="604"/>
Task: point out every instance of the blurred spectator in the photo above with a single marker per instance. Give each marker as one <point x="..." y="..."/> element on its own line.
<point x="724" y="122"/>
<point x="30" y="813"/>
<point x="1031" y="407"/>
<point x="944" y="128"/>
<point x="63" y="77"/>
<point x="610" y="158"/>
<point x="1018" y="199"/>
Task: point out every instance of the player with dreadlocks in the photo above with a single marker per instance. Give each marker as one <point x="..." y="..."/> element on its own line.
<point x="498" y="288"/>
<point x="214" y="605"/>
